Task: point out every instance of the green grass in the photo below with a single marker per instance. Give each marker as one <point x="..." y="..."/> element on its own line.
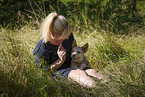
<point x="141" y="7"/>
<point x="120" y="57"/>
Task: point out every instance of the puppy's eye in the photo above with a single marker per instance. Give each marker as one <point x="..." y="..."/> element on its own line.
<point x="78" y="52"/>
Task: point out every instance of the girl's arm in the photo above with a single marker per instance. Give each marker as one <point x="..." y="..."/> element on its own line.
<point x="62" y="57"/>
<point x="56" y="65"/>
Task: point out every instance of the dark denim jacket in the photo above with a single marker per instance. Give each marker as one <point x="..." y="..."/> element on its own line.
<point x="46" y="53"/>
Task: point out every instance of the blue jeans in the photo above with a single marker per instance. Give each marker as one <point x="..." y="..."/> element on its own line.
<point x="64" y="72"/>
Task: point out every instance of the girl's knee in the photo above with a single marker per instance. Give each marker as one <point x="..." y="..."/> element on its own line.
<point x="98" y="75"/>
<point x="81" y="77"/>
<point x="75" y="73"/>
<point x="90" y="71"/>
<point x="94" y="73"/>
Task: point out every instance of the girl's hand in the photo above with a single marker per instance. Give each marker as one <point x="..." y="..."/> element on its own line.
<point x="62" y="56"/>
<point x="61" y="53"/>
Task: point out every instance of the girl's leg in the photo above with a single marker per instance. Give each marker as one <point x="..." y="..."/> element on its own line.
<point x="82" y="78"/>
<point x="94" y="73"/>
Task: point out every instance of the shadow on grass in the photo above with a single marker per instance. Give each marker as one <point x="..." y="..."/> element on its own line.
<point x="10" y="87"/>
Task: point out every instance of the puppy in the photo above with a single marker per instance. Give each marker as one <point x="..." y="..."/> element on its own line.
<point x="78" y="58"/>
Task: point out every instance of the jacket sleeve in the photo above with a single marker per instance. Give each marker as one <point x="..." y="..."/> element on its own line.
<point x="37" y="52"/>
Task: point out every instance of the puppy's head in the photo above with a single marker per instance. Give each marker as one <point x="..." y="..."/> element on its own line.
<point x="78" y="52"/>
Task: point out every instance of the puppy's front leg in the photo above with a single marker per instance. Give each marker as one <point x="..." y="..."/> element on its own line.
<point x="73" y="65"/>
<point x="83" y="65"/>
<point x="88" y="64"/>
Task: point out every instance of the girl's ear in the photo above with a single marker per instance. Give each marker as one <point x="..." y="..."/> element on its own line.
<point x="52" y="35"/>
<point x="85" y="47"/>
<point x="74" y="43"/>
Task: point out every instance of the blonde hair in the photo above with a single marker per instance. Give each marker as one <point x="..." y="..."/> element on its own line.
<point x="56" y="24"/>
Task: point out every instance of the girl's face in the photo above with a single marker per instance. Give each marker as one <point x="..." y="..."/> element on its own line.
<point x="59" y="41"/>
<point x="55" y="40"/>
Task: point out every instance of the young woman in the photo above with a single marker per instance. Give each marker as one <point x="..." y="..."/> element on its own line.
<point x="53" y="50"/>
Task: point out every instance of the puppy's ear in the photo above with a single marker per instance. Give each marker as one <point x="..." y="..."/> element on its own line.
<point x="85" y="47"/>
<point x="74" y="43"/>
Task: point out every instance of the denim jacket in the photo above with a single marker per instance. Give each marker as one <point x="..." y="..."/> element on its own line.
<point x="46" y="53"/>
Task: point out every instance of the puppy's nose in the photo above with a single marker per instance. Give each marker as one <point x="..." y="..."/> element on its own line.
<point x="73" y="55"/>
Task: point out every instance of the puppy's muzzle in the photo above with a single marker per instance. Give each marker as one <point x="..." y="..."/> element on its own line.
<point x="74" y="54"/>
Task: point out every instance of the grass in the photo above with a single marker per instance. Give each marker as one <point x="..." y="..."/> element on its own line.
<point x="120" y="57"/>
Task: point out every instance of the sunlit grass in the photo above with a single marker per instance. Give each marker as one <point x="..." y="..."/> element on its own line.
<point x="121" y="58"/>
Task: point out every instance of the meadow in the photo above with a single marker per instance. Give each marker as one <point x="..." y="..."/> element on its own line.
<point x="118" y="54"/>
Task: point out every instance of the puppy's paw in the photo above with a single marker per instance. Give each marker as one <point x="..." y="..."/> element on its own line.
<point x="82" y="66"/>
